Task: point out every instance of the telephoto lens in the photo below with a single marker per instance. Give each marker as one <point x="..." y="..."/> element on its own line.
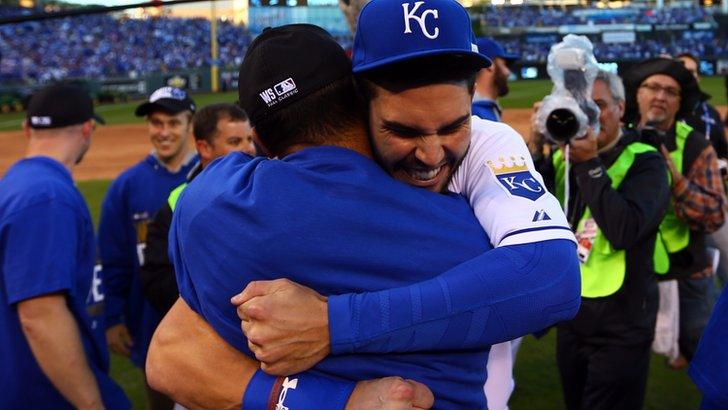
<point x="562" y="125"/>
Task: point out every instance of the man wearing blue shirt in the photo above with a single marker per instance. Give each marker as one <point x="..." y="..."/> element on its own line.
<point x="128" y="207"/>
<point x="460" y="387"/>
<point x="491" y="82"/>
<point x="52" y="346"/>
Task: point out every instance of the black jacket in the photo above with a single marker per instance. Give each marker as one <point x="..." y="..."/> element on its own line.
<point x="629" y="218"/>
<point x="159" y="283"/>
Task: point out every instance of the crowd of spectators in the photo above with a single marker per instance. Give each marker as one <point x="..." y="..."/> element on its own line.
<point x="102" y="45"/>
<point x="639" y="50"/>
<point x="512" y="17"/>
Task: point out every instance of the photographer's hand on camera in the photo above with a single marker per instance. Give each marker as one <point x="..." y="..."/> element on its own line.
<point x="677" y="177"/>
<point x="583" y="149"/>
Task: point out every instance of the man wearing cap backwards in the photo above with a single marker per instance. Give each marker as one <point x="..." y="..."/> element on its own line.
<point x="52" y="346"/>
<point x="660" y="92"/>
<point x="130" y="203"/>
<point x="453" y="126"/>
<point x="491" y="82"/>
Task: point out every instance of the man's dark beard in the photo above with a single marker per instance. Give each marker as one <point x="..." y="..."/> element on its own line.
<point x="399" y="165"/>
<point x="501" y="82"/>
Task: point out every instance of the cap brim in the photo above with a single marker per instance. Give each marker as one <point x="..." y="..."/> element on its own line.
<point x="479" y="60"/>
<point x="99" y="119"/>
<point x="167" y="106"/>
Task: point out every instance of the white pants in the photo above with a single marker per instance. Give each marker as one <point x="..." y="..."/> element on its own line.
<point x="500" y="384"/>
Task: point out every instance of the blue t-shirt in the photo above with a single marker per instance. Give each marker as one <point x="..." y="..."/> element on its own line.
<point x="129" y="206"/>
<point x="47" y="246"/>
<point x="709" y="367"/>
<point x="486" y="109"/>
<point x="333" y="220"/>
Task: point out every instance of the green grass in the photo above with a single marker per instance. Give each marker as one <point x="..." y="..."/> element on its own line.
<point x="121" y="113"/>
<point x="522" y="95"/>
<point x="537" y="379"/>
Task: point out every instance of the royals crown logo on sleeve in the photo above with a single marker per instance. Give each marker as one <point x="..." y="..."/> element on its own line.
<point x="508" y="167"/>
<point x="515" y="177"/>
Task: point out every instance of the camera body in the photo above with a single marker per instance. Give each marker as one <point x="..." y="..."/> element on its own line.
<point x="569" y="111"/>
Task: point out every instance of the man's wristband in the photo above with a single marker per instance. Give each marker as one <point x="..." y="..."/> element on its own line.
<point x="302" y="391"/>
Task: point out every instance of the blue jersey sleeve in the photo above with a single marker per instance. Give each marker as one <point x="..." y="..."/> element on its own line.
<point x="709" y="367"/>
<point x="502" y="294"/>
<point x="40" y="255"/>
<point x="116" y="250"/>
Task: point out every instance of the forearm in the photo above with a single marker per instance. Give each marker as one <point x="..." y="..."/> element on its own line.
<point x="502" y="294"/>
<point x="193" y="365"/>
<point x="54" y="339"/>
<point x="188" y="361"/>
<point x="699" y="197"/>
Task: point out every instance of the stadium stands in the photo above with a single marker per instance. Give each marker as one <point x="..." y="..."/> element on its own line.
<point x="104" y="46"/>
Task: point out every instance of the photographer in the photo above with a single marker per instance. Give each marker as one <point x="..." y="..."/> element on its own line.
<point x="661" y="91"/>
<point x="618" y="195"/>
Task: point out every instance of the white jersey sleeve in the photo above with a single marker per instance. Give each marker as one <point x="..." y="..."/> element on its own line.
<point x="508" y="196"/>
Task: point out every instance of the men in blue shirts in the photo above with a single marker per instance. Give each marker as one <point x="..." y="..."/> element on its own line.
<point x="458" y="388"/>
<point x="129" y="206"/>
<point x="491" y="82"/>
<point x="52" y="346"/>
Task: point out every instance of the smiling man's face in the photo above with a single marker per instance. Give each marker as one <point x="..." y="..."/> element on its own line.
<point x="658" y="99"/>
<point x="420" y="135"/>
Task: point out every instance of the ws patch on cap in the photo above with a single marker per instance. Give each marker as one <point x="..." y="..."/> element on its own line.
<point x="279" y="92"/>
<point x="516" y="179"/>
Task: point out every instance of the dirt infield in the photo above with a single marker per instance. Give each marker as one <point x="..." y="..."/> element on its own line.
<point x="117" y="147"/>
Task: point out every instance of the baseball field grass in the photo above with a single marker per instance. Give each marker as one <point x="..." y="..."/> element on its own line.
<point x="537" y="379"/>
<point x="522" y="94"/>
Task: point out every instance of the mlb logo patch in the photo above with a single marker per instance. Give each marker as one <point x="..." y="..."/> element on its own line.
<point x="284" y="86"/>
<point x="516" y="179"/>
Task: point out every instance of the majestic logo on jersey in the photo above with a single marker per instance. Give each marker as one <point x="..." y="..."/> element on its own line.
<point x="287" y="384"/>
<point x="541" y="216"/>
<point x="421" y="19"/>
<point x="516" y="179"/>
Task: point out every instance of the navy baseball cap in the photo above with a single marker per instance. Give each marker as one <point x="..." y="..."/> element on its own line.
<point x="492" y="49"/>
<point x="391" y="31"/>
<point x="285" y="64"/>
<point x="167" y="99"/>
<point x="60" y="105"/>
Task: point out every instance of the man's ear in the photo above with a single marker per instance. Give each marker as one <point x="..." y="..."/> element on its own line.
<point x="204" y="150"/>
<point x="260" y="147"/>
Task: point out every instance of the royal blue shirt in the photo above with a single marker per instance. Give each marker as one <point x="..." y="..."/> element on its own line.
<point x="487" y="110"/>
<point x="333" y="220"/>
<point x="709" y="367"/>
<point x="129" y="206"/>
<point x="47" y="246"/>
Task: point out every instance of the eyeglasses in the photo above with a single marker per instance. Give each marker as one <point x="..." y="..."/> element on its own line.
<point x="656" y="88"/>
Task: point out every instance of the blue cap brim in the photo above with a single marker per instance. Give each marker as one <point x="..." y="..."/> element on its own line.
<point x="479" y="60"/>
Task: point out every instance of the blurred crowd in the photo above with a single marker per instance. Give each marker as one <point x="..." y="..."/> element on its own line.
<point x="103" y="46"/>
<point x="537" y="52"/>
<point x="544" y="17"/>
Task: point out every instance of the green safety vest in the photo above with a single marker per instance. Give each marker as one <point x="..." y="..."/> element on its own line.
<point x="674" y="234"/>
<point x="174" y="196"/>
<point x="603" y="273"/>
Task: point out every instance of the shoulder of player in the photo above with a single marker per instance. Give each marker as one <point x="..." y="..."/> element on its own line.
<point x="39" y="195"/>
<point x="225" y="176"/>
<point x="494" y="139"/>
